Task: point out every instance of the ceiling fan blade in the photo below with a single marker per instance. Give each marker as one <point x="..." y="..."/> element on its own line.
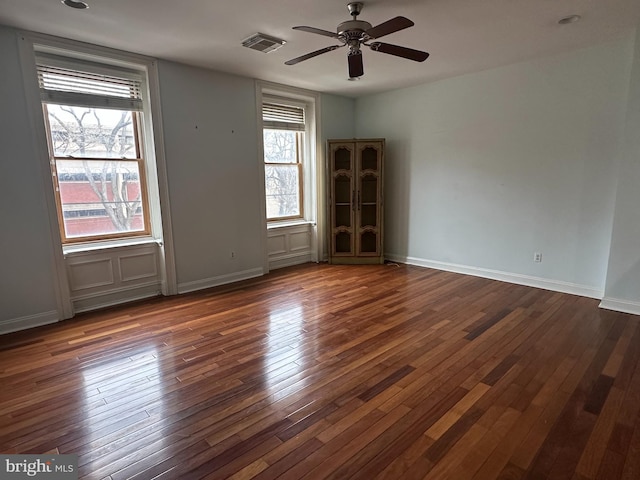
<point x="356" y="68"/>
<point x="302" y="58"/>
<point x="398" y="51"/>
<point x="390" y="26"/>
<point x="319" y="31"/>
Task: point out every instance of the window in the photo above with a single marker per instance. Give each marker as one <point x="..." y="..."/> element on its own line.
<point x="284" y="150"/>
<point x="93" y="118"/>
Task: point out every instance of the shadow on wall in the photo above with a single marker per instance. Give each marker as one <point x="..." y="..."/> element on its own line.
<point x="397" y="186"/>
<point x="626" y="287"/>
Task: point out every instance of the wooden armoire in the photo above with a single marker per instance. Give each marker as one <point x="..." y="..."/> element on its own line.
<point x="355" y="175"/>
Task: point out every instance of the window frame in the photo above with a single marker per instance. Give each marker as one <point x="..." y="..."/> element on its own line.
<point x="302" y="151"/>
<point x="140" y="159"/>
<point x="32" y="44"/>
<point x="300" y="147"/>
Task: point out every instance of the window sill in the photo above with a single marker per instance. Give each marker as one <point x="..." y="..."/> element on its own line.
<point x="289" y="223"/>
<point x="107" y="245"/>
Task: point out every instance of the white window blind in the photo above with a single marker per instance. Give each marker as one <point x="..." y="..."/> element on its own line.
<point x="283" y="117"/>
<point x="67" y="86"/>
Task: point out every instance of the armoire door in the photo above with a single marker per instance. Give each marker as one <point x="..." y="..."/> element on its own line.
<point x="369" y="198"/>
<point x="342" y="199"/>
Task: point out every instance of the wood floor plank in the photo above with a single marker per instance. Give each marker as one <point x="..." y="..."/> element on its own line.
<point x="327" y="371"/>
<point x="411" y="458"/>
<point x="596" y="446"/>
<point x="452" y="416"/>
<point x="473" y="458"/>
<point x="445" y="466"/>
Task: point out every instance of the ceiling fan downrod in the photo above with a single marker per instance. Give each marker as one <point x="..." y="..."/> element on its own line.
<point x="353" y="29"/>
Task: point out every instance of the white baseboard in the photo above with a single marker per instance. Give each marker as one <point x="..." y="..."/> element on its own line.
<point x="517" y="278"/>
<point x="187" y="287"/>
<point x="116" y="296"/>
<point x="289" y="260"/>
<point x="625" y="306"/>
<point x="30" y="321"/>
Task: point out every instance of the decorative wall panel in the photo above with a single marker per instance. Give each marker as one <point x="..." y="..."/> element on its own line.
<point x="104" y="277"/>
<point x="289" y="245"/>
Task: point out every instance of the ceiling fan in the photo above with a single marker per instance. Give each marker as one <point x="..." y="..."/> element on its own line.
<point x="355" y="33"/>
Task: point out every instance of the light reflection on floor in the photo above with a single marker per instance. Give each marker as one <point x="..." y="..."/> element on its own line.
<point x="119" y="393"/>
<point x="283" y="357"/>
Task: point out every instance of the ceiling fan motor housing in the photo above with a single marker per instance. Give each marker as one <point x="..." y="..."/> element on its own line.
<point x="353" y="29"/>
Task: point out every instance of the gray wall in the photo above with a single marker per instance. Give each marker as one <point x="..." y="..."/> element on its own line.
<point x="27" y="280"/>
<point x="623" y="278"/>
<point x="485" y="169"/>
<point x="211" y="145"/>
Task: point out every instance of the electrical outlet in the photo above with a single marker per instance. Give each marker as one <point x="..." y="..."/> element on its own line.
<point x="537" y="257"/>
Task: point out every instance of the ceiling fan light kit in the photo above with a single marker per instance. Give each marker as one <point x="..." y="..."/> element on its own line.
<point x="355" y="33"/>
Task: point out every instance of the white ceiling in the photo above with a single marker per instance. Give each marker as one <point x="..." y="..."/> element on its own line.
<point x="462" y="36"/>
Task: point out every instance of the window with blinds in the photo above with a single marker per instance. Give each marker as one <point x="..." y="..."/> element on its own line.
<point x="283" y="142"/>
<point x="96" y="87"/>
<point x="284" y="117"/>
<point x="92" y="115"/>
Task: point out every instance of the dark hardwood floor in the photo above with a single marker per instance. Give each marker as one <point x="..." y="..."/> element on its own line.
<point x="318" y="371"/>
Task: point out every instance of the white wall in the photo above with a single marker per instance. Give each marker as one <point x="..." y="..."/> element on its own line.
<point x="485" y="169"/>
<point x="338" y="117"/>
<point x="211" y="145"/>
<point x="27" y="285"/>
<point x="623" y="279"/>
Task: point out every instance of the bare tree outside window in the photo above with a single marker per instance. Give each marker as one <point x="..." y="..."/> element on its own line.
<point x="98" y="169"/>
<point x="282" y="173"/>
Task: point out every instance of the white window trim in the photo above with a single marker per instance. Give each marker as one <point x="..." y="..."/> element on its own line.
<point x="313" y="169"/>
<point x="28" y="42"/>
<point x="109" y="244"/>
<point x="289" y="223"/>
<point x="303" y="165"/>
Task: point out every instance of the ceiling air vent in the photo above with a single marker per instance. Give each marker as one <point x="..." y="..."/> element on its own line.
<point x="263" y="43"/>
